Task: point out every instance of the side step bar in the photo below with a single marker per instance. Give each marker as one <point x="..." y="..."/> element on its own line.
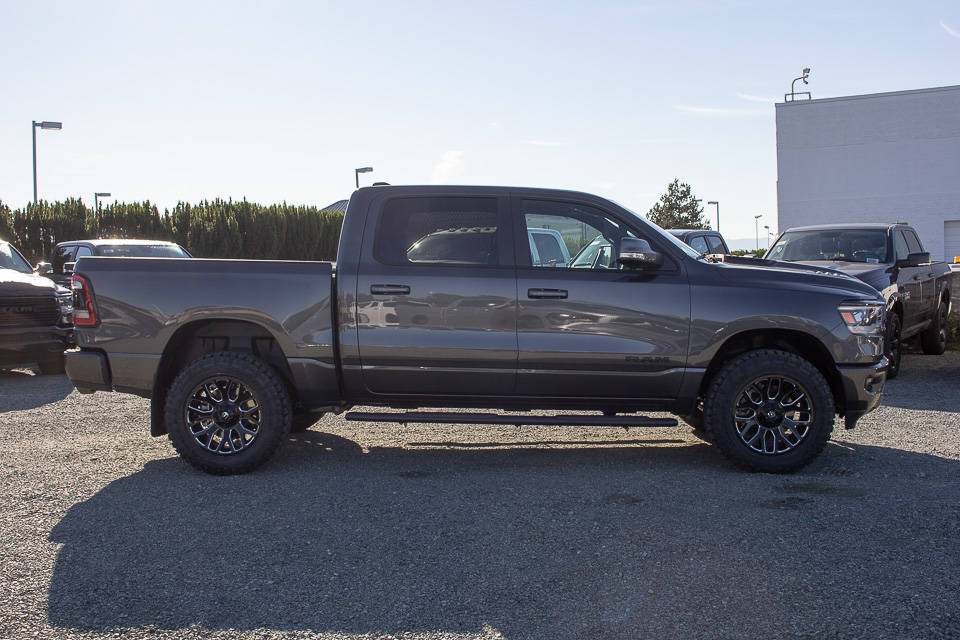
<point x="453" y="417"/>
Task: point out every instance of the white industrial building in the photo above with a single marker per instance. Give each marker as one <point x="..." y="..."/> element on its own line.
<point x="885" y="157"/>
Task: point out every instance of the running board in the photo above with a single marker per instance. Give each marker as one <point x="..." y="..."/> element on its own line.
<point x="516" y="420"/>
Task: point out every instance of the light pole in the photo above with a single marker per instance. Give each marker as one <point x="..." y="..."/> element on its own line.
<point x="718" y="212"/>
<point x="793" y="94"/>
<point x="96" y="203"/>
<point x="33" y="130"/>
<point x="767" y="227"/>
<point x="361" y="170"/>
<point x="756" y="228"/>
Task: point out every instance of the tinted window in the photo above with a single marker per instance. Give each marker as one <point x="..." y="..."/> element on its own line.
<point x="439" y="231"/>
<point x="61" y="256"/>
<point x="699" y="243"/>
<point x="716" y="244"/>
<point x="549" y="249"/>
<point x="83" y="251"/>
<point x="913" y="244"/>
<point x="901" y="245"/>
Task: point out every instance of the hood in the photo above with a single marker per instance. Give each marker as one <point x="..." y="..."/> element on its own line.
<point x="818" y="275"/>
<point x="871" y="273"/>
<point x="24" y="284"/>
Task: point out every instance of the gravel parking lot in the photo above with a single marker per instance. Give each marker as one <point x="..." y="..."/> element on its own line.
<point x="380" y="531"/>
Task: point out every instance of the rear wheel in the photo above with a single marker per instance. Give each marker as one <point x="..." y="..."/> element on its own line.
<point x="933" y="340"/>
<point x="769" y="411"/>
<point x="227" y="412"/>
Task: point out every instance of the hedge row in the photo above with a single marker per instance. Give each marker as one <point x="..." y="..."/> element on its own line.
<point x="218" y="229"/>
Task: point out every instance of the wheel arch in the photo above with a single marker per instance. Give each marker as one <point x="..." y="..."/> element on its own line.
<point x="798" y="343"/>
<point x="202" y="337"/>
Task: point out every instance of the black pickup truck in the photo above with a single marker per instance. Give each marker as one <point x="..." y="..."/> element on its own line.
<point x="436" y="302"/>
<point x="35" y="325"/>
<point x="890" y="258"/>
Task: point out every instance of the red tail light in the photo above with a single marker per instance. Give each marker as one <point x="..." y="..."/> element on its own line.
<point x="84" y="313"/>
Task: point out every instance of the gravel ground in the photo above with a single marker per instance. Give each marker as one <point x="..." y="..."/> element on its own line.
<point x="379" y="531"/>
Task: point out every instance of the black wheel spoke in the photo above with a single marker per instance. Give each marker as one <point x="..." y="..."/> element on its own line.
<point x="772" y="415"/>
<point x="223" y="416"/>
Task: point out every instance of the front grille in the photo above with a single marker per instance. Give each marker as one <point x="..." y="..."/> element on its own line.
<point x="28" y="311"/>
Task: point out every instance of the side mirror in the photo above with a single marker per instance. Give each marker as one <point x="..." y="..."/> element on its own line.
<point x="44" y="268"/>
<point x="637" y="252"/>
<point x="915" y="259"/>
<point x="68" y="268"/>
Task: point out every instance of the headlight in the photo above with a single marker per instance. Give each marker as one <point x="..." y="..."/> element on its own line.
<point x="863" y="318"/>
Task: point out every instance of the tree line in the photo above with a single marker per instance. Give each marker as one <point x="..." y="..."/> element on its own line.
<point x="217" y="229"/>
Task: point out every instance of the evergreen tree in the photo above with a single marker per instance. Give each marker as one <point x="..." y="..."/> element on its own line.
<point x="678" y="209"/>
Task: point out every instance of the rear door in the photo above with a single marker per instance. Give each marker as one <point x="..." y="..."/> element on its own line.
<point x="594" y="328"/>
<point x="437" y="307"/>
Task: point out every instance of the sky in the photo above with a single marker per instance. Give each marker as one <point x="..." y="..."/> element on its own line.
<point x="280" y="101"/>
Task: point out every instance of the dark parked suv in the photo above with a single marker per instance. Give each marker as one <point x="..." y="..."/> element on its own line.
<point x="65" y="254"/>
<point x="35" y="315"/>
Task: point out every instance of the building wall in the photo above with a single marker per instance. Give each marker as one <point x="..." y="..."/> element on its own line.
<point x="879" y="158"/>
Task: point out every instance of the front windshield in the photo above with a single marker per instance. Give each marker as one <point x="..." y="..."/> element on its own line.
<point x="847" y="245"/>
<point x="10" y="258"/>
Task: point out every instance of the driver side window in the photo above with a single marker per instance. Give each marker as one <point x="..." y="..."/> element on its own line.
<point x="569" y="235"/>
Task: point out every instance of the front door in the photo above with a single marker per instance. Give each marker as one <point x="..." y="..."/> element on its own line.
<point x="592" y="328"/>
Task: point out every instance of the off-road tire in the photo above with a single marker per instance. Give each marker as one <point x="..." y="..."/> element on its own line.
<point x="227" y="413"/>
<point x="773" y="400"/>
<point x="933" y="340"/>
<point x="893" y="345"/>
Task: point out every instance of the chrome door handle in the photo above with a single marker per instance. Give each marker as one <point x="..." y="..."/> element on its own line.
<point x="550" y="294"/>
<point x="389" y="289"/>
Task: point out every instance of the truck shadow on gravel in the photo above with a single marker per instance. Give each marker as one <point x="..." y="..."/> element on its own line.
<point x="19" y="389"/>
<point x="920" y="375"/>
<point x="625" y="541"/>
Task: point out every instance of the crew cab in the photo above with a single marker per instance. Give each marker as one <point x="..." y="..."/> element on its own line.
<point x="35" y="325"/>
<point x="233" y="354"/>
<point x="890" y="258"/>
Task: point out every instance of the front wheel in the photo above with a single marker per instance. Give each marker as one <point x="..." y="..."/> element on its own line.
<point x="933" y="340"/>
<point x="769" y="411"/>
<point x="227" y="413"/>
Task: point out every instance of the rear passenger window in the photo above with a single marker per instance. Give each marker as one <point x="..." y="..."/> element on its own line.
<point x="716" y="245"/>
<point x="699" y="244"/>
<point x="441" y="231"/>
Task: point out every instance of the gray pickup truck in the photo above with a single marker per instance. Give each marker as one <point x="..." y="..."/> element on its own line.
<point x="436" y="308"/>
<point x="891" y="259"/>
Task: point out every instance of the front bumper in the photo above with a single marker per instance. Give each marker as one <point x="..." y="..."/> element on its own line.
<point x="862" y="390"/>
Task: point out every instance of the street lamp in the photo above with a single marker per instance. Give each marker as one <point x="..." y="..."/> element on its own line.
<point x="33" y="130"/>
<point x="362" y="170"/>
<point x="792" y="95"/>
<point x="718" y="212"/>
<point x="767" y="227"/>
<point x="96" y="203"/>
<point x="756" y="228"/>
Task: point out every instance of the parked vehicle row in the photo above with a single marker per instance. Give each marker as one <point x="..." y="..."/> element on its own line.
<point x="443" y="298"/>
